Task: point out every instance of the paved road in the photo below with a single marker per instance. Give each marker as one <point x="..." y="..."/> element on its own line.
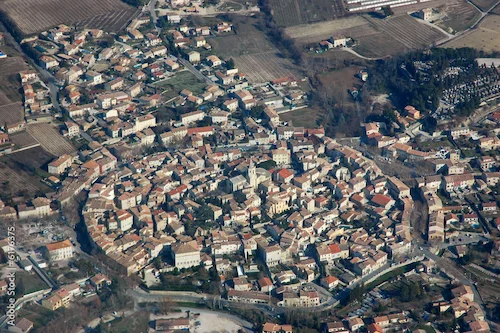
<point x="199" y="75"/>
<point x="449" y="267"/>
<point x="474" y="25"/>
<point x="21" y="301"/>
<point x="348" y="49"/>
<point x="42" y="274"/>
<point x="465" y="240"/>
<point x="151" y="8"/>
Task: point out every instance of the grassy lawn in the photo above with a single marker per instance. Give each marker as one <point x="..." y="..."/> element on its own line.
<point x="427" y="328"/>
<point x="390" y="275"/>
<point x="138" y="322"/>
<point x="30" y="282"/>
<point x="435" y="145"/>
<point x="307" y="117"/>
<point x="39" y="315"/>
<point x="182" y="80"/>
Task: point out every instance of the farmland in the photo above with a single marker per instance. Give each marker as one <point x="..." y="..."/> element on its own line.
<point x="23" y="139"/>
<point x="252" y="52"/>
<point x="294" y="12"/>
<point x="10" y="85"/>
<point x="111" y="21"/>
<point x="50" y="139"/>
<point x="457" y="15"/>
<point x="374" y="37"/>
<point x="264" y="67"/>
<point x="486" y="37"/>
<point x="398" y="34"/>
<point x="33" y="16"/>
<point x="11" y="113"/>
<point x="484" y="4"/>
<point x="309" y="33"/>
<point x="18" y="172"/>
<point x="9" y="79"/>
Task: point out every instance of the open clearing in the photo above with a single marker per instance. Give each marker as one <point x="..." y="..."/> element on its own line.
<point x="308" y="33"/>
<point x="457" y="15"/>
<point x="486" y="37"/>
<point x="293" y="12"/>
<point x="33" y="16"/>
<point x="50" y="139"/>
<point x="208" y="321"/>
<point x="307" y="117"/>
<point x="182" y="80"/>
<point x="252" y="52"/>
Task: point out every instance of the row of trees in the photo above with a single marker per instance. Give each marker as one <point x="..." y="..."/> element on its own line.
<point x="278" y="36"/>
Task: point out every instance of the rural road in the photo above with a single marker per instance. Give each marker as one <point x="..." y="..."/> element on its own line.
<point x="449" y="267"/>
<point x="346" y="49"/>
<point x="473" y="26"/>
<point x="151" y="7"/>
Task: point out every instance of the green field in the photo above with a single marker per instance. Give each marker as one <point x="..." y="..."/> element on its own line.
<point x="29" y="282"/>
<point x="138" y="322"/>
<point x="39" y="315"/>
<point x="182" y="80"/>
<point x="390" y="275"/>
<point x="307" y="117"/>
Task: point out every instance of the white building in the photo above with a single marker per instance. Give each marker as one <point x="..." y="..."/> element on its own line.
<point x="185" y="256"/>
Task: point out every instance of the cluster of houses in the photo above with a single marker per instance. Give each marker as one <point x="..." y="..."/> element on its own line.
<point x="259" y="191"/>
<point x="464" y="307"/>
<point x="450" y="174"/>
<point x="63" y="296"/>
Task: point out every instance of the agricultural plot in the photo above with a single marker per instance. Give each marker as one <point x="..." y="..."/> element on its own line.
<point x="252" y="52"/>
<point x="113" y="21"/>
<point x="9" y="79"/>
<point x="286" y="12"/>
<point x="484" y="4"/>
<point x="457" y="15"/>
<point x="486" y="37"/>
<point x="22" y="140"/>
<point x="309" y="33"/>
<point x="11" y="113"/>
<point x="294" y="12"/>
<point x="50" y="139"/>
<point x="247" y="39"/>
<point x="398" y="34"/>
<point x="33" y="16"/>
<point x="31" y="158"/>
<point x="264" y="67"/>
<point x="18" y="172"/>
<point x="496" y="10"/>
<point x="14" y="182"/>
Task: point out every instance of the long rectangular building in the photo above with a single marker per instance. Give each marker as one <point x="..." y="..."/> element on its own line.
<point x="364" y="5"/>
